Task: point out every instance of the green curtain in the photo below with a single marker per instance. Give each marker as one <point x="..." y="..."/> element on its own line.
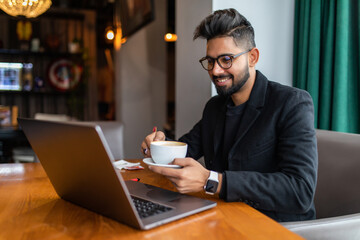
<point x="326" y="60"/>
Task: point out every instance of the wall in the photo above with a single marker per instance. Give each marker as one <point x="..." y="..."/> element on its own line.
<point x="273" y="24"/>
<point x="193" y="87"/>
<point x="140" y="70"/>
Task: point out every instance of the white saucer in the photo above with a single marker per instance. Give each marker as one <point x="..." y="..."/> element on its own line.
<point x="151" y="162"/>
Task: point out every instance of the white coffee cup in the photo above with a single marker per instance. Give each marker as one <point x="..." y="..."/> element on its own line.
<point x="164" y="152"/>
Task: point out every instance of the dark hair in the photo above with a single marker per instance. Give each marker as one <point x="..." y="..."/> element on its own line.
<point x="227" y="22"/>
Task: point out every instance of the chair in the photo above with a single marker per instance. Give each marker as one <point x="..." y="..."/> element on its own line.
<point x="113" y="132"/>
<point x="52" y="117"/>
<point x="25" y="154"/>
<point x="337" y="198"/>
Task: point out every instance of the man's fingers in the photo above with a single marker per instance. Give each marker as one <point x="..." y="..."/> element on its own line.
<point x="155" y="136"/>
<point x="159" y="136"/>
<point x="145" y="149"/>
<point x="183" y="162"/>
<point x="149" y="138"/>
<point x="145" y="145"/>
<point x="167" y="172"/>
<point x="190" y="178"/>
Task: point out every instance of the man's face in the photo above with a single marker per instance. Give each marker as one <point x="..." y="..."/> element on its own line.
<point x="227" y="81"/>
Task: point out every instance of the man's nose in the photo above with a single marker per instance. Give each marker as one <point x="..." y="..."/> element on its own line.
<point x="217" y="69"/>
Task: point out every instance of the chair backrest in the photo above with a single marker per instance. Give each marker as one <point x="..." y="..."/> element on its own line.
<point x="114" y="134"/>
<point x="52" y="117"/>
<point x="337" y="192"/>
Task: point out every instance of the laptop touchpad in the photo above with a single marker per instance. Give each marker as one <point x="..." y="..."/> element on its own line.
<point x="152" y="192"/>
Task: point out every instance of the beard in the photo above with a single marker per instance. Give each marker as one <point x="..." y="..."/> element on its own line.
<point x="235" y="87"/>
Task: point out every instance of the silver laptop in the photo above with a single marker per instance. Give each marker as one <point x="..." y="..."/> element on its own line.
<point x="79" y="164"/>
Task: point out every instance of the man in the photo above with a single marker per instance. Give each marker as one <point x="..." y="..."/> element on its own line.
<point x="257" y="136"/>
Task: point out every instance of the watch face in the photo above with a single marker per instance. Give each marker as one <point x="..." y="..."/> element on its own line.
<point x="211" y="186"/>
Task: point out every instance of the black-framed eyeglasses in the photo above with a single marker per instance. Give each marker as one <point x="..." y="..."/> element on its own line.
<point x="224" y="61"/>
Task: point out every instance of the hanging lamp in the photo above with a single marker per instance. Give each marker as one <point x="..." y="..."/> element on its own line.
<point x="26" y="8"/>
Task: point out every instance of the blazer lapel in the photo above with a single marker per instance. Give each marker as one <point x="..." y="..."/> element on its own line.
<point x="252" y="111"/>
<point x="249" y="116"/>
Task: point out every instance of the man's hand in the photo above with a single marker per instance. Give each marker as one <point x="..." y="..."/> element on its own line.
<point x="145" y="145"/>
<point x="191" y="178"/>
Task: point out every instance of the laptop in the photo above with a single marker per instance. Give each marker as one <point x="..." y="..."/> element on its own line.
<point x="79" y="163"/>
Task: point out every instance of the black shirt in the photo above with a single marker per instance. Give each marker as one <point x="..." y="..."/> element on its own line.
<point x="232" y="121"/>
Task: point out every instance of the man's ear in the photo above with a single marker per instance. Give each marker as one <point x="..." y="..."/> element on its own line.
<point x="253" y="57"/>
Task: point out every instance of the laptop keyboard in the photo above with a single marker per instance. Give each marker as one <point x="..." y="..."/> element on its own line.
<point x="147" y="208"/>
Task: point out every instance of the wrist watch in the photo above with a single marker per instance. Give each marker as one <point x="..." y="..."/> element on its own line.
<point x="212" y="183"/>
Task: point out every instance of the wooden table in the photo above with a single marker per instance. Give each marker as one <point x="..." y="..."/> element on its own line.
<point x="30" y="209"/>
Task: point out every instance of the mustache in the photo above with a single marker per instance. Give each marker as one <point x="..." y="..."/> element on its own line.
<point x="214" y="77"/>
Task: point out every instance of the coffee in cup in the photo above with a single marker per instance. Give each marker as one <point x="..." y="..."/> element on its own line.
<point x="164" y="152"/>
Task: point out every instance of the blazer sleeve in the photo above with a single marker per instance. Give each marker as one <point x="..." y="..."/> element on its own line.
<point x="194" y="141"/>
<point x="290" y="188"/>
<point x="199" y="140"/>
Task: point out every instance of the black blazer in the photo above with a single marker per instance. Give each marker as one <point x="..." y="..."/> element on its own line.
<point x="272" y="165"/>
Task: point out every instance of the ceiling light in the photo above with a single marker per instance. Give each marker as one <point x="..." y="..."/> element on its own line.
<point x="27" y="8"/>
<point x="170" y="37"/>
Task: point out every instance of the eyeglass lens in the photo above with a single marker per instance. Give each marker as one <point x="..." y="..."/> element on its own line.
<point x="224" y="62"/>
